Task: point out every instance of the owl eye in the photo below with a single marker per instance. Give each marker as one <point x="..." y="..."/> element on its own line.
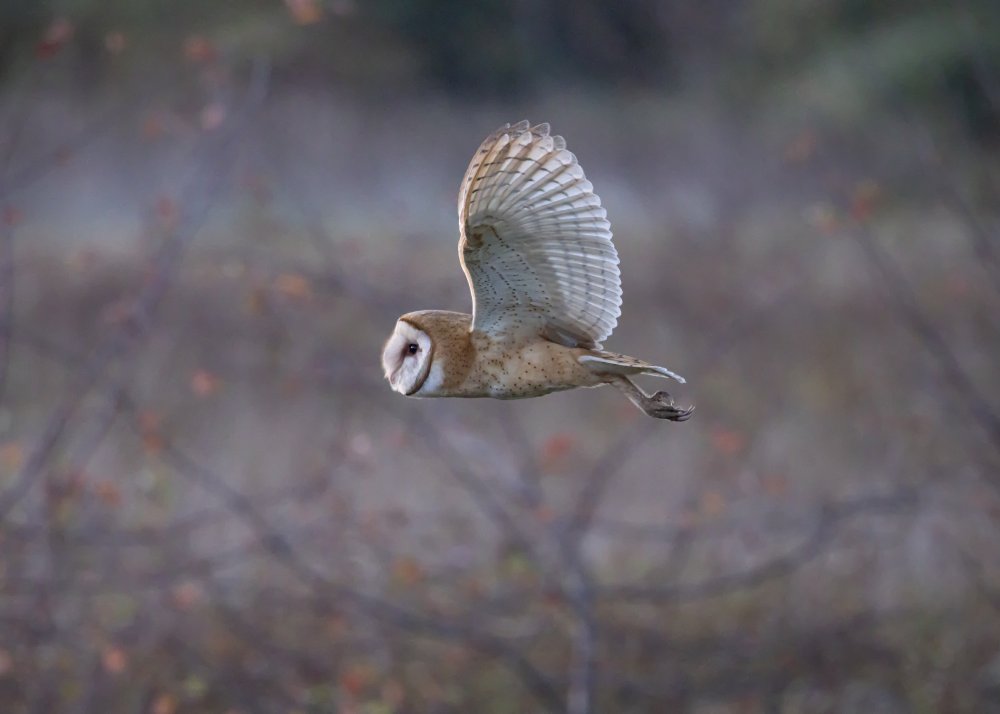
<point x="412" y="348"/>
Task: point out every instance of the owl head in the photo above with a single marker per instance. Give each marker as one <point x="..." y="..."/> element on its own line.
<point x="424" y="350"/>
<point x="406" y="357"/>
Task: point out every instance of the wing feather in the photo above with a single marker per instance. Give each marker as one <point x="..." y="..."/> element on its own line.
<point x="535" y="241"/>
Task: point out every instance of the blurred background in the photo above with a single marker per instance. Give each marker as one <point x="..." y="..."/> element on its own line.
<point x="211" y="215"/>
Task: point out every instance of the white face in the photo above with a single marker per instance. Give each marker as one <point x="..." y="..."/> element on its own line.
<point x="406" y="358"/>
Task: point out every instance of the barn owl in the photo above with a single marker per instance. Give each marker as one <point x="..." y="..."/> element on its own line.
<point x="536" y="248"/>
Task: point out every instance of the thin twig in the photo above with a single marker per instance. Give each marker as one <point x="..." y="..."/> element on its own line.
<point x="6" y="303"/>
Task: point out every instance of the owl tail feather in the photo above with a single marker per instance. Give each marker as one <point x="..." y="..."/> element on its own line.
<point x="600" y="361"/>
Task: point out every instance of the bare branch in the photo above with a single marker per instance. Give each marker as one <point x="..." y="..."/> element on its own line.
<point x="828" y="520"/>
<point x="202" y="194"/>
<point x="6" y="303"/>
<point x="906" y="304"/>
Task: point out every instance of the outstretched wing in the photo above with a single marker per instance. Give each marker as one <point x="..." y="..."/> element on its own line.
<point x="536" y="244"/>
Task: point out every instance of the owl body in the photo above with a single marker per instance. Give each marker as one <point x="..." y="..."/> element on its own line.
<point x="536" y="250"/>
<point x="505" y="365"/>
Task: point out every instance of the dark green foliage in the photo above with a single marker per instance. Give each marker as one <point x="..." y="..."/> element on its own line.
<point x="926" y="54"/>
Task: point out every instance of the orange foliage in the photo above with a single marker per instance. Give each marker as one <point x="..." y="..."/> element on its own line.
<point x="149" y="428"/>
<point x="865" y="198"/>
<point x="407" y="571"/>
<point x="304" y="12"/>
<point x="713" y="504"/>
<point x="186" y="595"/>
<point x="294" y="286"/>
<point x="166" y="210"/>
<point x="109" y="493"/>
<point x="212" y="115"/>
<point x="205" y="383"/>
<point x="11" y="455"/>
<point x="199" y="50"/>
<point x="163" y="704"/>
<point x="557" y="446"/>
<point x="355" y="678"/>
<point x="728" y="441"/>
<point x="12" y="216"/>
<point x="114" y="660"/>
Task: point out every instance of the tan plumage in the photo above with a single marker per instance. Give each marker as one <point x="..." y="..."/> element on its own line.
<point x="546" y="291"/>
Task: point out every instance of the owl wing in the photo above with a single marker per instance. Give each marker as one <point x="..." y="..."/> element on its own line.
<point x="535" y="242"/>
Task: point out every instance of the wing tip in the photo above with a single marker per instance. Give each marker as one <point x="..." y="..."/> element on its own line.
<point x="539" y="130"/>
<point x="542" y="130"/>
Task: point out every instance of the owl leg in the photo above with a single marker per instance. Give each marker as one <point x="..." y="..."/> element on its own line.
<point x="659" y="405"/>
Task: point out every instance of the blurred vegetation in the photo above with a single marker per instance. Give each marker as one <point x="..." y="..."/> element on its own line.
<point x="864" y="55"/>
<point x="210" y="501"/>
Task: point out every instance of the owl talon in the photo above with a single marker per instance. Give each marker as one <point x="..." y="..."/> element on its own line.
<point x="661" y="406"/>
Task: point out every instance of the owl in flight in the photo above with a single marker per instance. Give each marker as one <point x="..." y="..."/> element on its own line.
<point x="546" y="292"/>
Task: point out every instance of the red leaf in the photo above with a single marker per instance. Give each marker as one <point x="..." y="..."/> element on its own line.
<point x="865" y="199"/>
<point x="729" y="441"/>
<point x="199" y="49"/>
<point x="212" y="116"/>
<point x="149" y="428"/>
<point x="186" y="595"/>
<point x="109" y="493"/>
<point x="204" y="383"/>
<point x="355" y="678"/>
<point x="407" y="571"/>
<point x="163" y="704"/>
<point x="56" y="36"/>
<point x="293" y="286"/>
<point x="304" y="12"/>
<point x="11" y="455"/>
<point x="152" y="127"/>
<point x="12" y="216"/>
<point x="166" y="211"/>
<point x="114" y="42"/>
<point x="114" y="660"/>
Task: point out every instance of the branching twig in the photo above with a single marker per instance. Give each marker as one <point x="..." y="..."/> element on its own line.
<point x="827" y="522"/>
<point x="284" y="552"/>
<point x="124" y="339"/>
<point x="906" y="304"/>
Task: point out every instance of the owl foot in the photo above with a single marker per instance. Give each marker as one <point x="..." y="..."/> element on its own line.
<point x="661" y="406"/>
